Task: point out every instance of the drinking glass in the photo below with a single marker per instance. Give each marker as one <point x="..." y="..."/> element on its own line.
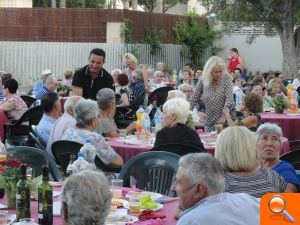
<point x="122" y="134"/>
<point x="29" y="173"/>
<point x="3" y="217"/>
<point x="116" y="186"/>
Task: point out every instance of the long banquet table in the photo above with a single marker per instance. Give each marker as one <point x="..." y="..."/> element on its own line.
<point x="168" y="210"/>
<point x="289" y="123"/>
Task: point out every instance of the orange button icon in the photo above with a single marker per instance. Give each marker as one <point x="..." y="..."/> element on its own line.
<point x="280" y="209"/>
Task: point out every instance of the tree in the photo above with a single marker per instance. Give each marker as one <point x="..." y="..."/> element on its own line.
<point x="278" y="15"/>
<point x="167" y="4"/>
<point x="196" y="37"/>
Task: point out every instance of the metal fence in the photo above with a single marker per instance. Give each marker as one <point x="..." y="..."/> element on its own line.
<point x="26" y="60"/>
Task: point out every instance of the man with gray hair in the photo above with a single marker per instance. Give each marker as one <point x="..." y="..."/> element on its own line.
<point x="50" y="86"/>
<point x="199" y="185"/>
<point x="107" y="105"/>
<point x="40" y="84"/>
<point x="85" y="199"/>
<point x="65" y="122"/>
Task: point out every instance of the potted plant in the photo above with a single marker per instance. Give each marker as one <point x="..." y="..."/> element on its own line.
<point x="280" y="103"/>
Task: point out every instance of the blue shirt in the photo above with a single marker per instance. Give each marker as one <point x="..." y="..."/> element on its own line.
<point x="287" y="171"/>
<point x="41" y="92"/>
<point x="222" y="208"/>
<point x="37" y="86"/>
<point x="44" y="127"/>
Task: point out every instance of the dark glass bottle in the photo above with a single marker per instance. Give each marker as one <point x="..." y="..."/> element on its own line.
<point x="45" y="204"/>
<point x="23" y="196"/>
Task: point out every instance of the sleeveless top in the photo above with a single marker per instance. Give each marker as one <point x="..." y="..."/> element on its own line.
<point x="233" y="64"/>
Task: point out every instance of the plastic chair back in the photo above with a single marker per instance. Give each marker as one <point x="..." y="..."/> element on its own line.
<point x="39" y="141"/>
<point x="179" y="149"/>
<point x="159" y="95"/>
<point x="104" y="168"/>
<point x="293" y="158"/>
<point x="36" y="158"/>
<point x="154" y="171"/>
<point x="62" y="150"/>
<point x="28" y="100"/>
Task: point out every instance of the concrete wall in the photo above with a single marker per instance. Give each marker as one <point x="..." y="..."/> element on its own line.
<point x="262" y="55"/>
<point x="16" y="3"/>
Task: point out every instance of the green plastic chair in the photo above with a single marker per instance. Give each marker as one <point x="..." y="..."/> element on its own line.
<point x="36" y="158"/>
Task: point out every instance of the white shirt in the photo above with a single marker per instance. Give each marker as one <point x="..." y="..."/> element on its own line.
<point x="65" y="122"/>
<point x="223" y="208"/>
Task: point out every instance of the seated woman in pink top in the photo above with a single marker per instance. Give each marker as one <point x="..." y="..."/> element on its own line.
<point x="12" y="105"/>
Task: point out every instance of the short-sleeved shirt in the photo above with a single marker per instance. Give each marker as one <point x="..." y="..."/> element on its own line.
<point x="41" y="92"/>
<point x="262" y="182"/>
<point x="215" y="99"/>
<point x="103" y="150"/>
<point x="106" y="125"/>
<point x="90" y="88"/>
<point x="19" y="107"/>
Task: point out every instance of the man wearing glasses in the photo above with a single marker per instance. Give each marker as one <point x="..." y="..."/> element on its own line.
<point x="50" y="86"/>
<point x="88" y="80"/>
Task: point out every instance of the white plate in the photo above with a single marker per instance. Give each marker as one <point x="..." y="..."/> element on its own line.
<point x="154" y="196"/>
<point x="120" y="220"/>
<point x="127" y="206"/>
<point x="119" y="200"/>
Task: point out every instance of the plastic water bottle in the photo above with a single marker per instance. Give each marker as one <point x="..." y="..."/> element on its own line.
<point x="294" y="102"/>
<point x="158" y="120"/>
<point x="145" y="127"/>
<point x="89" y="152"/>
<point x="238" y="100"/>
<point x="80" y="164"/>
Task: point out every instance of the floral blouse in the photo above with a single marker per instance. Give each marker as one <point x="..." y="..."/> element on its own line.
<point x="215" y="99"/>
<point x="103" y="149"/>
<point x="19" y="107"/>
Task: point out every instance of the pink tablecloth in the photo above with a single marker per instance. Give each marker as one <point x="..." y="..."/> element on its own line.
<point x="288" y="123"/>
<point x="168" y="210"/>
<point x="128" y="151"/>
<point x="3" y="120"/>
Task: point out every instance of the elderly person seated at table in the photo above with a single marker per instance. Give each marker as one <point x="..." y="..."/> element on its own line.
<point x="187" y="78"/>
<point x="235" y="149"/>
<point x="273" y="89"/>
<point x="187" y="90"/>
<point x="87" y="116"/>
<point x="85" y="199"/>
<point x="123" y="97"/>
<point x="251" y="108"/>
<point x="65" y="122"/>
<point x="268" y="145"/>
<point x="175" y="130"/>
<point x="199" y="185"/>
<point x="137" y="85"/>
<point x="115" y="73"/>
<point x="50" y="86"/>
<point x="157" y="82"/>
<point x="107" y="105"/>
<point x="13" y="106"/>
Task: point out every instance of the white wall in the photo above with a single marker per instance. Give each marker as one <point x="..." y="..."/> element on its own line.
<point x="262" y="55"/>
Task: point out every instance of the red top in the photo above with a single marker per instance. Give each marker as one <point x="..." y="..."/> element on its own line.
<point x="233" y="63"/>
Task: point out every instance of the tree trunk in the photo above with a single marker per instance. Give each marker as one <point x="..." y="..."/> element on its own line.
<point x="134" y="5"/>
<point x="286" y="34"/>
<point x="158" y="6"/>
<point x="297" y="40"/>
<point x="62" y="3"/>
<point x="53" y="3"/>
<point x="125" y="4"/>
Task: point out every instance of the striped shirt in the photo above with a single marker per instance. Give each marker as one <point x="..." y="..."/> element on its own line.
<point x="262" y="182"/>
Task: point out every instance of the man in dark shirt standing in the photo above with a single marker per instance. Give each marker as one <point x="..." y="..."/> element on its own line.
<point x="88" y="80"/>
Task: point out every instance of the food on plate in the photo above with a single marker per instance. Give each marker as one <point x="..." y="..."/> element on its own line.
<point x="113" y="208"/>
<point x="117" y="202"/>
<point x="147" y="202"/>
<point x="120" y="218"/>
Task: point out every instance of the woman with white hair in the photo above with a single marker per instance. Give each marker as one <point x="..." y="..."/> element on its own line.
<point x="235" y="149"/>
<point x="175" y="115"/>
<point x="157" y="82"/>
<point x="216" y="89"/>
<point x="86" y="114"/>
<point x="85" y="199"/>
<point x="268" y="145"/>
<point x="131" y="64"/>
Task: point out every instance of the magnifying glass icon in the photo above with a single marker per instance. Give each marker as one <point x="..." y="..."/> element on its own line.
<point x="277" y="205"/>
